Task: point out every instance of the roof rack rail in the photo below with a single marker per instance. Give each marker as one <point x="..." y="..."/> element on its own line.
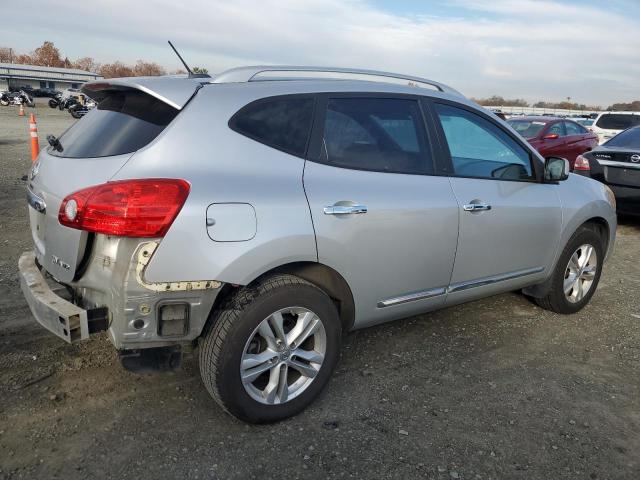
<point x="253" y="74"/>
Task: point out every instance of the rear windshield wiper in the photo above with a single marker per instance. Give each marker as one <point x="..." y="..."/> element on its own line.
<point x="54" y="142"/>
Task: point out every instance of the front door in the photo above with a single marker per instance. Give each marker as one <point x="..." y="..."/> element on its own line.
<point x="509" y="222"/>
<point x="382" y="220"/>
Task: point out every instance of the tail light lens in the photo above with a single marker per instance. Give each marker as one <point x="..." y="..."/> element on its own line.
<point x="127" y="208"/>
<point x="582" y="163"/>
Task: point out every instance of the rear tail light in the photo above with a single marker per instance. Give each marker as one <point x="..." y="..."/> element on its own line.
<point x="127" y="208"/>
<point x="582" y="163"/>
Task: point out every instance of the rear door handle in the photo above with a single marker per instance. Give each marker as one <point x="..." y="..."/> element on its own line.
<point x="344" y="209"/>
<point x="476" y="207"/>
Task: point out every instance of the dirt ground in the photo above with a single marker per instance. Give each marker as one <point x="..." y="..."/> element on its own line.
<point x="495" y="389"/>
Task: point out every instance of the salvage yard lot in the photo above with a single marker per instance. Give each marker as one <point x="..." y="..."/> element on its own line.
<point x="498" y="388"/>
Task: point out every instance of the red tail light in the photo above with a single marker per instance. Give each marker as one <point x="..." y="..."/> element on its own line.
<point x="126" y="208"/>
<point x="582" y="163"/>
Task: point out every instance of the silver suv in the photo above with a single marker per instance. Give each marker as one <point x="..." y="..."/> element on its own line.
<point x="261" y="214"/>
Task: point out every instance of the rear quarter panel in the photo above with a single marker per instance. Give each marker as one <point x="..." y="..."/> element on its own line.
<point x="223" y="166"/>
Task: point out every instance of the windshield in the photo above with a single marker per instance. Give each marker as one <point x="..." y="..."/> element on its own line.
<point x="618" y="121"/>
<point x="627" y="139"/>
<point x="123" y="122"/>
<point x="527" y="128"/>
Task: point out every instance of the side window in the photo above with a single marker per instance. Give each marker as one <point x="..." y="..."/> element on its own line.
<point x="378" y="134"/>
<point x="479" y="148"/>
<point x="574" y="129"/>
<point x="558" y="129"/>
<point x="280" y="122"/>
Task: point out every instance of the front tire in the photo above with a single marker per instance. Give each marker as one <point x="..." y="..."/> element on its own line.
<point x="577" y="273"/>
<point x="271" y="349"/>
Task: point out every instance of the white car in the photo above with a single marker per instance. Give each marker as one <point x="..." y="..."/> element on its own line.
<point x="609" y="124"/>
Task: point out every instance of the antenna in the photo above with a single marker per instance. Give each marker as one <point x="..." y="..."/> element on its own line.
<point x="191" y="74"/>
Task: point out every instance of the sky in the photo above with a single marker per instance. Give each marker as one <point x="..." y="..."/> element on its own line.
<point x="532" y="49"/>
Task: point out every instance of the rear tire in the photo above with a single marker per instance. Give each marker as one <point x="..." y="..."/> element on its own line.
<point x="296" y="360"/>
<point x="577" y="273"/>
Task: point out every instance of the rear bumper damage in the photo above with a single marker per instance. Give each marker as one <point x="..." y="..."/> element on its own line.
<point x="112" y="294"/>
<point x="58" y="315"/>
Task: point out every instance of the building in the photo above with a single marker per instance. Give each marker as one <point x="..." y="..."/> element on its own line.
<point x="34" y="76"/>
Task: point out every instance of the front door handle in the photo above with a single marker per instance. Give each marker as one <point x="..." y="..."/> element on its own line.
<point x="344" y="209"/>
<point x="476" y="207"/>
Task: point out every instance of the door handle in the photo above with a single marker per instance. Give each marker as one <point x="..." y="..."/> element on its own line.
<point x="344" y="209"/>
<point x="476" y="207"/>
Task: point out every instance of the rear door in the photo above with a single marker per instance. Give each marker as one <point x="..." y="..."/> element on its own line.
<point x="509" y="222"/>
<point x="554" y="140"/>
<point x="578" y="141"/>
<point x="382" y="218"/>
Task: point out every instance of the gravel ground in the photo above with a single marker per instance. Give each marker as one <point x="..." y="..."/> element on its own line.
<point x="493" y="389"/>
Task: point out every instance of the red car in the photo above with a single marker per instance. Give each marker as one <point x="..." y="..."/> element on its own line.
<point x="556" y="137"/>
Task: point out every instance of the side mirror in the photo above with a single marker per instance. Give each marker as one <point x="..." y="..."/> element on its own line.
<point x="556" y="169"/>
<point x="550" y="136"/>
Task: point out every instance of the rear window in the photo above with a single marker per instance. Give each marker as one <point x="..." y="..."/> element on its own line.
<point x="283" y="123"/>
<point x="527" y="128"/>
<point x="123" y="122"/>
<point x="617" y="121"/>
<point x="627" y="139"/>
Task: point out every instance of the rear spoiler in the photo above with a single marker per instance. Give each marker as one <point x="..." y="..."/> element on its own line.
<point x="173" y="90"/>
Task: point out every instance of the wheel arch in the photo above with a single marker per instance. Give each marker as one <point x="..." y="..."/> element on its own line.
<point x="603" y="229"/>
<point x="322" y="276"/>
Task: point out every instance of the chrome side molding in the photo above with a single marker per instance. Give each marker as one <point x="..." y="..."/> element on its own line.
<point x="456" y="287"/>
<point x="411" y="297"/>
<point x="481" y="282"/>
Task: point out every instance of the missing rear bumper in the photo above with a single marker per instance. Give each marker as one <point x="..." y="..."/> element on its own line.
<point x="53" y="312"/>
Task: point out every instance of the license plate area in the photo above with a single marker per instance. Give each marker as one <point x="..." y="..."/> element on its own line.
<point x="627" y="177"/>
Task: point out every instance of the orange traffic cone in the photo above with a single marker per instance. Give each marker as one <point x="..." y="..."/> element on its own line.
<point x="21" y="112"/>
<point x="33" y="130"/>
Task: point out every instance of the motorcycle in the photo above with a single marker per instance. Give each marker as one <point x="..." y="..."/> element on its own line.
<point x="55" y="100"/>
<point x="79" y="110"/>
<point x="16" y="98"/>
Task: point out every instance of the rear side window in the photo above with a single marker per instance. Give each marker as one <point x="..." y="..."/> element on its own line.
<point x="480" y="149"/>
<point x="574" y="128"/>
<point x="617" y="121"/>
<point x="279" y="122"/>
<point x="123" y="122"/>
<point x="377" y="134"/>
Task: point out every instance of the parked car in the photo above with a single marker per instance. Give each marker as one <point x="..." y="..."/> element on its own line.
<point x="608" y="124"/>
<point x="616" y="163"/>
<point x="260" y="220"/>
<point x="555" y="137"/>
<point x="585" y="122"/>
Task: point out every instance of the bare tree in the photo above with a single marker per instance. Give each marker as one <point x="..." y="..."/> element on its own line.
<point x="6" y="55"/>
<point x="47" y="55"/>
<point x="116" y="69"/>
<point x="86" y="63"/>
<point x="147" y="69"/>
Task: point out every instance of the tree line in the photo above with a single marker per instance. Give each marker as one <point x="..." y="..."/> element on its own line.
<point x="48" y="55"/>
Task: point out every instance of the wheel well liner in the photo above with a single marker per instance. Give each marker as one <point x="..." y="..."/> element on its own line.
<point x="322" y="276"/>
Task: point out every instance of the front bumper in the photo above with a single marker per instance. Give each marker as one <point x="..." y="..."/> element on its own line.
<point x="59" y="316"/>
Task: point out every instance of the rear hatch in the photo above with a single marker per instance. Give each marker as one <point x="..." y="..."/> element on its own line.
<point x="129" y="116"/>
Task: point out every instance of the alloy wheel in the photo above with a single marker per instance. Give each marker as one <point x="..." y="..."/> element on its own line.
<point x="580" y="273"/>
<point x="283" y="355"/>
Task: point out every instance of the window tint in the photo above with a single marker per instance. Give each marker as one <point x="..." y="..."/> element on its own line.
<point x="379" y="134"/>
<point x="627" y="139"/>
<point x="574" y="128"/>
<point x="123" y="122"/>
<point x="481" y="149"/>
<point x="557" y="129"/>
<point x="617" y="121"/>
<point x="281" y="122"/>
